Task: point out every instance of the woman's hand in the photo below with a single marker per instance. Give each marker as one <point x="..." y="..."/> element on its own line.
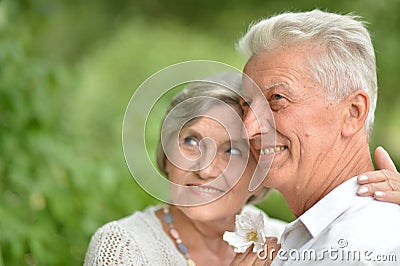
<point x="265" y="257"/>
<point x="383" y="184"/>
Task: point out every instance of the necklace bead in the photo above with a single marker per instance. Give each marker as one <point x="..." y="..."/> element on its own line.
<point x="174" y="233"/>
<point x="190" y="262"/>
<point x="169" y="219"/>
<point x="182" y="248"/>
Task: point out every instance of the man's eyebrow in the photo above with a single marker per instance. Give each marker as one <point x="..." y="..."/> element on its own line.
<point x="275" y="84"/>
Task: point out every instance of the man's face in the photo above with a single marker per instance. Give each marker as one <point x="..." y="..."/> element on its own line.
<point x="307" y="125"/>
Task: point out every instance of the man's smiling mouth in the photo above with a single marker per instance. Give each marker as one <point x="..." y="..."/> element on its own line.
<point x="271" y="150"/>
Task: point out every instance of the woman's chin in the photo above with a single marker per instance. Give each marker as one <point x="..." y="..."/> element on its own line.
<point x="203" y="213"/>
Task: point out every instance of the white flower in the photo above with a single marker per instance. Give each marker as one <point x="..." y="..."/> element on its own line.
<point x="249" y="229"/>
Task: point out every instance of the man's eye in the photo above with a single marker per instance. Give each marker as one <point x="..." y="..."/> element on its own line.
<point x="276" y="97"/>
<point x="191" y="141"/>
<point x="246" y="103"/>
<point x="235" y="151"/>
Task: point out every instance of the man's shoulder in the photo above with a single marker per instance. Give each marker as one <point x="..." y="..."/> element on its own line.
<point x="368" y="223"/>
<point x="370" y="212"/>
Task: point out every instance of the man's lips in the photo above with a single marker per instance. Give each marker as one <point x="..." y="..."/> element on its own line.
<point x="271" y="150"/>
<point x="264" y="144"/>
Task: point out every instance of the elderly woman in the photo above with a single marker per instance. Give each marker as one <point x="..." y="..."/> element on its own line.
<point x="213" y="167"/>
<point x="179" y="235"/>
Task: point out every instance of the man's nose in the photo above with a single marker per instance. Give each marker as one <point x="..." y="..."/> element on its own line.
<point x="251" y="124"/>
<point x="258" y="120"/>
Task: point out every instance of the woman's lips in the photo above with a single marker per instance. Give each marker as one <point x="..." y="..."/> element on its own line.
<point x="206" y="191"/>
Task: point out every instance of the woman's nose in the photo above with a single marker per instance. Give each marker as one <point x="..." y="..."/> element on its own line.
<point x="212" y="170"/>
<point x="211" y="163"/>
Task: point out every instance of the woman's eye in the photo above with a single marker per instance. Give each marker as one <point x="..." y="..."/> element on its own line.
<point x="191" y="141"/>
<point x="235" y="151"/>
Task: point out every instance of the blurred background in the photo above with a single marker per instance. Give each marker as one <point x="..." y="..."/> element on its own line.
<point x="67" y="72"/>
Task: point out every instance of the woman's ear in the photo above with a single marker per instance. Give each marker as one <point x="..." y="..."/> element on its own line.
<point x="355" y="113"/>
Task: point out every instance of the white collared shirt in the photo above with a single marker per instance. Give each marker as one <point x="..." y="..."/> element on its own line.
<point x="343" y="229"/>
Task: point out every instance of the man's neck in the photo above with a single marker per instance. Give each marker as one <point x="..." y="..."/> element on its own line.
<point x="355" y="159"/>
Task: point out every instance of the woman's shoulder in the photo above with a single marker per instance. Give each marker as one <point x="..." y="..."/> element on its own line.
<point x="139" y="221"/>
<point x="126" y="241"/>
<point x="132" y="226"/>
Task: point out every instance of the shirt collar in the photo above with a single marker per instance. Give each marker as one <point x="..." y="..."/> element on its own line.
<point x="326" y="210"/>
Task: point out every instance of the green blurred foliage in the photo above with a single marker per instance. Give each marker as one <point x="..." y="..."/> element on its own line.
<point x="67" y="72"/>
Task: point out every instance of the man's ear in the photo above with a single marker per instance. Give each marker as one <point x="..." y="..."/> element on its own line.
<point x="355" y="112"/>
<point x="167" y="167"/>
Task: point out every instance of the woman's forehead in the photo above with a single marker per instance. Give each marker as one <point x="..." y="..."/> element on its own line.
<point x="222" y="118"/>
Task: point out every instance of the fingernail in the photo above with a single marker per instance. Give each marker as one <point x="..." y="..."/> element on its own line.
<point x="379" y="194"/>
<point x="362" y="178"/>
<point x="382" y="148"/>
<point x="362" y="190"/>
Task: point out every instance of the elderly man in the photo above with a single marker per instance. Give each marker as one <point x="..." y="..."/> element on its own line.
<point x="317" y="71"/>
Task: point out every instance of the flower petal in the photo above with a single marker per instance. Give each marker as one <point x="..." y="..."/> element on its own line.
<point x="239" y="242"/>
<point x="248" y="223"/>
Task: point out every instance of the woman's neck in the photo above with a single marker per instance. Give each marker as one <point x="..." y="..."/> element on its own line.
<point x="203" y="238"/>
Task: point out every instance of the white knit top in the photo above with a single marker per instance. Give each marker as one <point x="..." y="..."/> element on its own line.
<point x="139" y="239"/>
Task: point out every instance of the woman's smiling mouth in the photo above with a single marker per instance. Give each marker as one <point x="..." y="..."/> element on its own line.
<point x="206" y="190"/>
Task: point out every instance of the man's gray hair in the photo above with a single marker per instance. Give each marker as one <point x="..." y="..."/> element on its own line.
<point x="347" y="62"/>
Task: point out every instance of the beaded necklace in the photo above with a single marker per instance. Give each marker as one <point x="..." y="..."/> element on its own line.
<point x="169" y="220"/>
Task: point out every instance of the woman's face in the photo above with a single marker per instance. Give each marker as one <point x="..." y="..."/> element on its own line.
<point x="216" y="167"/>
